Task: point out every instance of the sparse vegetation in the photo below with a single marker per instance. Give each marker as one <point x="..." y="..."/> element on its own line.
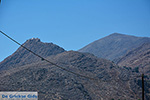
<point x="28" y="73"/>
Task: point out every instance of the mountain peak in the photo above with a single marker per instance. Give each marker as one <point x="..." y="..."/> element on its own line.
<point x="33" y="40"/>
<point x="22" y="56"/>
<point x="116" y="34"/>
<point x="114" y="45"/>
<point x="120" y="35"/>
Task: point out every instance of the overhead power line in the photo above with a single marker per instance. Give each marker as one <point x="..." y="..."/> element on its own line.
<point x="77" y="74"/>
<point x="46" y="59"/>
<point x="80" y="75"/>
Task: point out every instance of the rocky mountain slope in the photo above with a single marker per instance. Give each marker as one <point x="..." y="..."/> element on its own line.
<point x="111" y="81"/>
<point x="23" y="57"/>
<point x="138" y="58"/>
<point x="114" y="45"/>
<point x="107" y="80"/>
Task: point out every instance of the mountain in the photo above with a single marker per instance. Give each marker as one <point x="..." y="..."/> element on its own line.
<point x="23" y="57"/>
<point x="137" y="58"/>
<point x="104" y="79"/>
<point x="114" y="46"/>
<point x="52" y="83"/>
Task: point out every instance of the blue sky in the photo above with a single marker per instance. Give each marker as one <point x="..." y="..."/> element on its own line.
<point x="71" y="24"/>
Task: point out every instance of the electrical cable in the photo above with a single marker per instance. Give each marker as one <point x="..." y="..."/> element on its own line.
<point x="58" y="65"/>
<point x="77" y="74"/>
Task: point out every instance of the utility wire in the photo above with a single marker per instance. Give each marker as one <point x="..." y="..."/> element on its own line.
<point x="80" y="75"/>
<point x="46" y="59"/>
<point x="134" y="77"/>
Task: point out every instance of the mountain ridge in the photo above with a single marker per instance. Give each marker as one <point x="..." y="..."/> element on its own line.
<point x="114" y="45"/>
<point x="22" y="56"/>
<point x="112" y="81"/>
<point x="137" y="58"/>
<point x="46" y="78"/>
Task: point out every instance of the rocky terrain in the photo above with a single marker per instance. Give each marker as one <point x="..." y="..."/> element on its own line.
<point x="54" y="83"/>
<point x="105" y="80"/>
<point x="138" y="59"/>
<point x="114" y="46"/>
<point x="23" y="57"/>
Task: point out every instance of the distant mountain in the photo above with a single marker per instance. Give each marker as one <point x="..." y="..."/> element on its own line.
<point x="52" y="83"/>
<point x="137" y="58"/>
<point x="114" y="45"/>
<point x="23" y="57"/>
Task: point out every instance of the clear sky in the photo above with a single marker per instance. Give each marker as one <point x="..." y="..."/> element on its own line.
<point x="71" y="24"/>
